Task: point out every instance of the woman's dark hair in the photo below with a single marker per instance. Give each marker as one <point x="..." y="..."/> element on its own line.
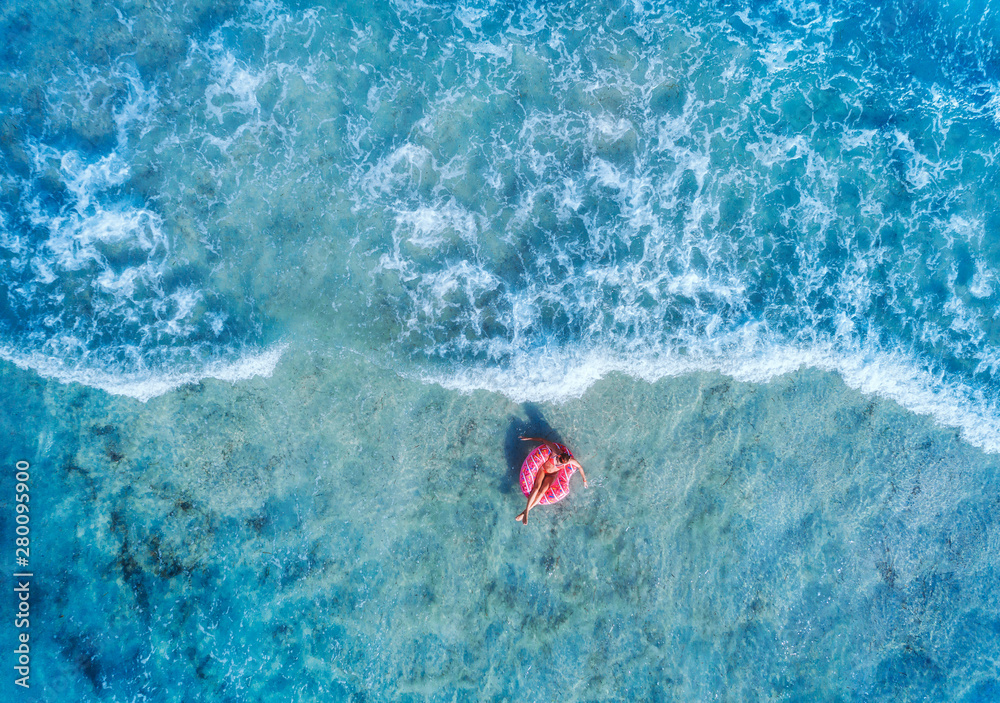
<point x="563" y="457"/>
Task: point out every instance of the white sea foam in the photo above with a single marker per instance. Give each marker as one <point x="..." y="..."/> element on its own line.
<point x="983" y="281"/>
<point x="560" y="375"/>
<point x="139" y="109"/>
<point x="144" y="384"/>
<point x="97" y="266"/>
<point x="428" y="227"/>
<point x="79" y="235"/>
<point x="779" y="149"/>
<point x="504" y="51"/>
<point x="233" y="80"/>
<point x="776" y="56"/>
<point x="402" y="166"/>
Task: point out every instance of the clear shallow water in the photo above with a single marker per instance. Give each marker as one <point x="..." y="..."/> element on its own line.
<point x="303" y="236"/>
<point x="740" y="542"/>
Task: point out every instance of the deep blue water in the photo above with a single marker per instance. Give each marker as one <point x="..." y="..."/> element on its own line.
<point x="252" y="253"/>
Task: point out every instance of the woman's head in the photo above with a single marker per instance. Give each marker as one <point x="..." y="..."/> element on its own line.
<point x="563" y="457"/>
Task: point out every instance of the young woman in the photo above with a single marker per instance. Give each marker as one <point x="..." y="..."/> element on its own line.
<point x="546" y="474"/>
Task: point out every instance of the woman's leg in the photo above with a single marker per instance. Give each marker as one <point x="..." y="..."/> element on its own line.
<point x="547" y="482"/>
<point x="538" y="489"/>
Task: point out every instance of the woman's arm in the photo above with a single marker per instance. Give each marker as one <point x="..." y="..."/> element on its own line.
<point x="580" y="469"/>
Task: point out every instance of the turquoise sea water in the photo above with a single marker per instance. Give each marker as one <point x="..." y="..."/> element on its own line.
<point x="282" y="283"/>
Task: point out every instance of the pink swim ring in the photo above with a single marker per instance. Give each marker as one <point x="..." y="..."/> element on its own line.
<point x="560" y="486"/>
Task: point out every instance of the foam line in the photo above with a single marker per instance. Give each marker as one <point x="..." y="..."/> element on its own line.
<point x="146" y="384"/>
<point x="558" y="376"/>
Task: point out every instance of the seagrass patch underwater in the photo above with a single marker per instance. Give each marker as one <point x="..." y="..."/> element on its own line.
<point x="282" y="281"/>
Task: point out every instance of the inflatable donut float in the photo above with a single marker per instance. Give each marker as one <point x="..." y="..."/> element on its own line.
<point x="560" y="486"/>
